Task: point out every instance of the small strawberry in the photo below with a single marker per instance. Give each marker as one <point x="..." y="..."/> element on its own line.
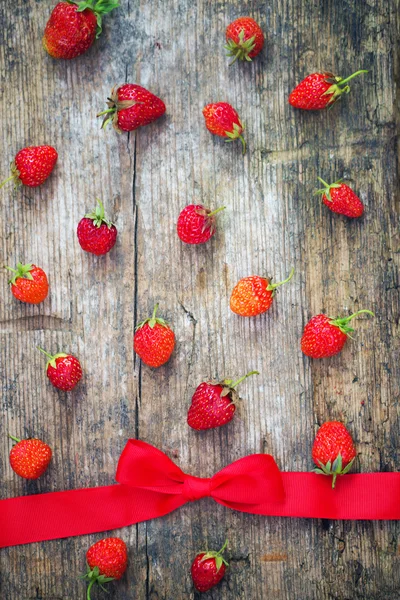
<point x="73" y="26"/>
<point x="95" y="233"/>
<point x="29" y="458"/>
<point x="154" y="340"/>
<point x="333" y="450"/>
<point x="339" y="198"/>
<point x="245" y="39"/>
<point x="214" y="403"/>
<point x="254" y="295"/>
<point x="325" y="336"/>
<point x="196" y="224"/>
<point x="29" y="283"/>
<point x="107" y="560"/>
<point x="32" y="166"/>
<point x="208" y="568"/>
<point x="320" y="90"/>
<point x="223" y="120"/>
<point x="63" y="370"/>
<point x="130" y="106"/>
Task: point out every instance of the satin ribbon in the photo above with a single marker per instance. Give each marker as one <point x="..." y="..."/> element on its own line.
<point x="150" y="485"/>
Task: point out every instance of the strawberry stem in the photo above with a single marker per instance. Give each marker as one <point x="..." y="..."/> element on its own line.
<point x="6" y="180"/>
<point x="46" y="353"/>
<point x="241" y="138"/>
<point x="14" y="438"/>
<point x="233" y="385"/>
<point x="91" y="584"/>
<point x="226" y="541"/>
<point x="343" y="81"/>
<point x="273" y="286"/>
<point x="217" y="210"/>
<point x="106" y="112"/>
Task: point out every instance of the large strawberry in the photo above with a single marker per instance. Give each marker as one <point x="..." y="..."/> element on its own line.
<point x="214" y="403"/>
<point x="208" y="568"/>
<point x="73" y="26"/>
<point x="96" y="234"/>
<point x="29" y="458"/>
<point x="107" y="560"/>
<point x="130" y="106"/>
<point x="254" y="295"/>
<point x="333" y="451"/>
<point x="339" y="198"/>
<point x="245" y="39"/>
<point x="32" y="166"/>
<point x="222" y="120"/>
<point x="63" y="370"/>
<point x="154" y="340"/>
<point x="325" y="336"/>
<point x="29" y="283"/>
<point x="320" y="90"/>
<point x="196" y="224"/>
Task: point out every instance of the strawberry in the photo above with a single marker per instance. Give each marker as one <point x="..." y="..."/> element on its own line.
<point x="29" y="458"/>
<point x="96" y="234"/>
<point x="29" y="283"/>
<point x="107" y="560"/>
<point x="223" y="120"/>
<point x="213" y="403"/>
<point x="208" y="568"/>
<point x="63" y="370"/>
<point x="339" y="198"/>
<point x="196" y="224"/>
<point x="325" y="336"/>
<point x="320" y="90"/>
<point x="73" y="26"/>
<point x="130" y="106"/>
<point x="32" y="166"/>
<point x="333" y="450"/>
<point x="245" y="39"/>
<point x="254" y="295"/>
<point x="154" y="340"/>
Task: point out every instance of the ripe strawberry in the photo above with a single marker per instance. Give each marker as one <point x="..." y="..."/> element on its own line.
<point x="63" y="370"/>
<point x="73" y="26"/>
<point x="29" y="283"/>
<point x="154" y="341"/>
<point x="107" y="560"/>
<point x="196" y="224"/>
<point x="324" y="336"/>
<point x="245" y="39"/>
<point x="339" y="198"/>
<point x="208" y="568"/>
<point x="223" y="120"/>
<point x="95" y="233"/>
<point x="213" y="403"/>
<point x="333" y="450"/>
<point x="32" y="166"/>
<point x="29" y="458"/>
<point x="253" y="295"/>
<point x="130" y="106"/>
<point x="320" y="90"/>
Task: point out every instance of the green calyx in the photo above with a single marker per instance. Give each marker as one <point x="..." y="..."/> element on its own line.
<point x="219" y="559"/>
<point x="339" y="85"/>
<point x="23" y="271"/>
<point x="93" y="576"/>
<point x="98" y="217"/>
<point x="52" y="359"/>
<point x="342" y="323"/>
<point x="326" y="190"/>
<point x="241" y="50"/>
<point x="272" y="286"/>
<point x="13" y="177"/>
<point x="230" y="385"/>
<point x="236" y="134"/>
<point x="152" y="320"/>
<point x="334" y="469"/>
<point x="114" y="106"/>
<point x="99" y="7"/>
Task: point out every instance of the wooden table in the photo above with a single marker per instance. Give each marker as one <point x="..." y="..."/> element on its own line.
<point x="272" y="221"/>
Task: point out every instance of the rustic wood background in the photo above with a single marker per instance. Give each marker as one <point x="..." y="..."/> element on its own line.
<point x="272" y="221"/>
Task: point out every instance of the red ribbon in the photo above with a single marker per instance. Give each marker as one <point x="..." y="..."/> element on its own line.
<point x="150" y="485"/>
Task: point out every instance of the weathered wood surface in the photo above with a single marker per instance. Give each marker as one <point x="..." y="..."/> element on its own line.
<point x="272" y="221"/>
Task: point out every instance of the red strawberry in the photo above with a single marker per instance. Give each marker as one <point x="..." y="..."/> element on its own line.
<point x="95" y="233"/>
<point x="29" y="283"/>
<point x="63" y="370"/>
<point x="29" y="458"/>
<point x="245" y="39"/>
<point x="339" y="198"/>
<point x="223" y="120"/>
<point x="32" y="166"/>
<point x="254" y="295"/>
<point x="130" y="106"/>
<point x="324" y="336"/>
<point x="73" y="26"/>
<point x="213" y="404"/>
<point x="333" y="451"/>
<point x="208" y="568"/>
<point x="196" y="224"/>
<point x="154" y="341"/>
<point x="107" y="560"/>
<point x="320" y="90"/>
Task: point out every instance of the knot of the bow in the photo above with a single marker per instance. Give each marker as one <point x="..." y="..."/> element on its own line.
<point x="195" y="488"/>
